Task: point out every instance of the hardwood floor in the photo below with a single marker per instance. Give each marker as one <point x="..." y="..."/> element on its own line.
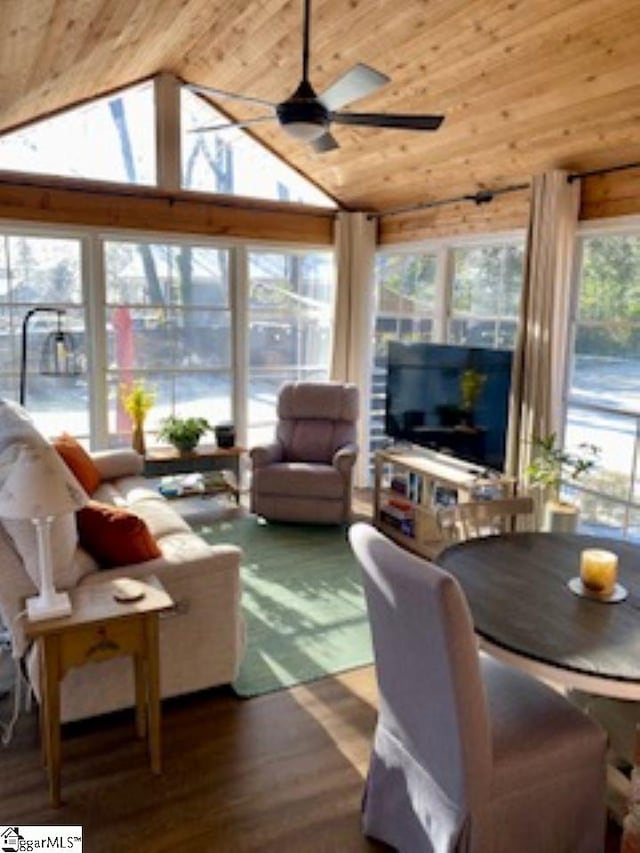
<point x="282" y="772"/>
<point x="279" y="772"/>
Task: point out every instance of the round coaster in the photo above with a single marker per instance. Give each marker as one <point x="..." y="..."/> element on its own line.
<point x="127" y="590"/>
<point x="578" y="588"/>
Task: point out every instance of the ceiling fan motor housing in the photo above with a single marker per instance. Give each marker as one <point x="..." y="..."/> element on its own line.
<point x="303" y="115"/>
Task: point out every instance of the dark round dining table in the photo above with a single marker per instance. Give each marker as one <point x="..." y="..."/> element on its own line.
<point x="523" y="611"/>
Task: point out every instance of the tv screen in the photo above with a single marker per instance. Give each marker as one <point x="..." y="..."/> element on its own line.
<point x="453" y="399"/>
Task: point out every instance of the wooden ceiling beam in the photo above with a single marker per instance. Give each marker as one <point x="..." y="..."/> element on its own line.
<point x="141" y="209"/>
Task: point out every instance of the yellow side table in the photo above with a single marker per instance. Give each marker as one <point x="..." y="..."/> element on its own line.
<point x="101" y="627"/>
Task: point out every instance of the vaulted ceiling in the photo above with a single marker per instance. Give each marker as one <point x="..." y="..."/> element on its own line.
<point x="525" y="85"/>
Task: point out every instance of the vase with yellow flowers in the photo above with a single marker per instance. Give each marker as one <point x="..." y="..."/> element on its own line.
<point x="137" y="399"/>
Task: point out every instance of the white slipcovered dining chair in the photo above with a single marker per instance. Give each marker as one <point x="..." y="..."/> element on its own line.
<point x="485" y="518"/>
<point x="469" y="754"/>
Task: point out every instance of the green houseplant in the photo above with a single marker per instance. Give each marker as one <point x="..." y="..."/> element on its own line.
<point x="183" y="433"/>
<point x="553" y="465"/>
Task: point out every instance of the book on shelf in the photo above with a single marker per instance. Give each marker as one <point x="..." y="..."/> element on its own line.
<point x="399" y="485"/>
<point x="400" y="515"/>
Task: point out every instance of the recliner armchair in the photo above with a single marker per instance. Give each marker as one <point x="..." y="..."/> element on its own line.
<point x="305" y="475"/>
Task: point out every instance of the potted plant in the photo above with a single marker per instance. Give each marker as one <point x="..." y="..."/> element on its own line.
<point x="183" y="433"/>
<point x="137" y="399"/>
<point x="550" y="467"/>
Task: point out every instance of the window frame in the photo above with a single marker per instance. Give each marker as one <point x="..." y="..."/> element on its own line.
<point x="614" y="226"/>
<point x="443" y="249"/>
<point x="93" y="281"/>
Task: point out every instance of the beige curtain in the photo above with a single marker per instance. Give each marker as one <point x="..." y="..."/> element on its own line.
<point x="355" y="243"/>
<point x="542" y="349"/>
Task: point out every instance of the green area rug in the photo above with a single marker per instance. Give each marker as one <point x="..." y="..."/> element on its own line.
<point x="302" y="599"/>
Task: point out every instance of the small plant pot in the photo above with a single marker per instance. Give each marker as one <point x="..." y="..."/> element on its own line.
<point x="185" y="447"/>
<point x="225" y="435"/>
<point x="560" y="517"/>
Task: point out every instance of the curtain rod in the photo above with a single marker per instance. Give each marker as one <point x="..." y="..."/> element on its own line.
<point x="486" y="196"/>
<point x="574" y="176"/>
<point x="481" y="197"/>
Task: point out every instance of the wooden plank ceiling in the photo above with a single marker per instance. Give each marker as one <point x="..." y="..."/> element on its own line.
<point x="524" y="85"/>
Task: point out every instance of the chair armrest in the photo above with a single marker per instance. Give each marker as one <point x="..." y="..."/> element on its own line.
<point x="344" y="459"/>
<point x="266" y="454"/>
<point x="123" y="462"/>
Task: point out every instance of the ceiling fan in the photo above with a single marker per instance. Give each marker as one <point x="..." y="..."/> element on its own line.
<point x="307" y="116"/>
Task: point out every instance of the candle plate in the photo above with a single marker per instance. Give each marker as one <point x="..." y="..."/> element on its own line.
<point x="578" y="588"/>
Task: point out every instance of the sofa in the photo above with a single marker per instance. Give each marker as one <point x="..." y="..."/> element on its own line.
<point x="201" y="638"/>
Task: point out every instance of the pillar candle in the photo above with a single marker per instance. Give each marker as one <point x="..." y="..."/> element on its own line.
<point x="599" y="570"/>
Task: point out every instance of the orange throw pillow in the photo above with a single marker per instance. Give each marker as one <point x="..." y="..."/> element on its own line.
<point x="78" y="461"/>
<point x="114" y="536"/>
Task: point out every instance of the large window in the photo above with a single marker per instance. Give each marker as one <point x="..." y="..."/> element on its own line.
<point x="405" y="310"/>
<point x="35" y="273"/>
<point x="114" y="139"/>
<point x="291" y="296"/>
<point x="230" y="161"/>
<point x="110" y="139"/>
<point x="604" y="388"/>
<point x="485" y="295"/>
<point x="461" y="293"/>
<point x="168" y="322"/>
<point x="213" y="330"/>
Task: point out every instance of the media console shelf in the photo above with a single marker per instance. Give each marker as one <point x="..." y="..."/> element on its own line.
<point x="411" y="482"/>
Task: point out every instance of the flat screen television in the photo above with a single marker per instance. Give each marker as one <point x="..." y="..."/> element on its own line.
<point x="453" y="399"/>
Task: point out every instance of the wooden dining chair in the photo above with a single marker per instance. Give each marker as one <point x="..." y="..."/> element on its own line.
<point x="485" y="518"/>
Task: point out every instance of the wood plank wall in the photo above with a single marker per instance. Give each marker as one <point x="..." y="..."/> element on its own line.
<point x="603" y="197"/>
<point x="504" y="213"/>
<point x="66" y="202"/>
<point x="613" y="194"/>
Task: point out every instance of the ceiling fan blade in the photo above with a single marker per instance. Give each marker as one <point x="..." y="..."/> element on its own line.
<point x="324" y="143"/>
<point x="397" y="120"/>
<point x="246" y="123"/>
<point x="220" y="93"/>
<point x="359" y="81"/>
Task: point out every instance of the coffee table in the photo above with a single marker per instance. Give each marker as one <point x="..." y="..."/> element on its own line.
<point x="162" y="461"/>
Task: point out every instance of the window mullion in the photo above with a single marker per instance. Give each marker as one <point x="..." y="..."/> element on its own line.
<point x="168" y="142"/>
<point x="93" y="283"/>
<point x="444" y="289"/>
<point x="239" y="299"/>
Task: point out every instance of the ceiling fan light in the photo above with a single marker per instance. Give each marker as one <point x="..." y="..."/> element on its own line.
<point x="304" y="131"/>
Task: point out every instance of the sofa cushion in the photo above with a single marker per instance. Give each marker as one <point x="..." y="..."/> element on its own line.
<point x="114" y="536"/>
<point x="108" y="493"/>
<point x="161" y="519"/>
<point x="78" y="461"/>
<point x="300" y="479"/>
